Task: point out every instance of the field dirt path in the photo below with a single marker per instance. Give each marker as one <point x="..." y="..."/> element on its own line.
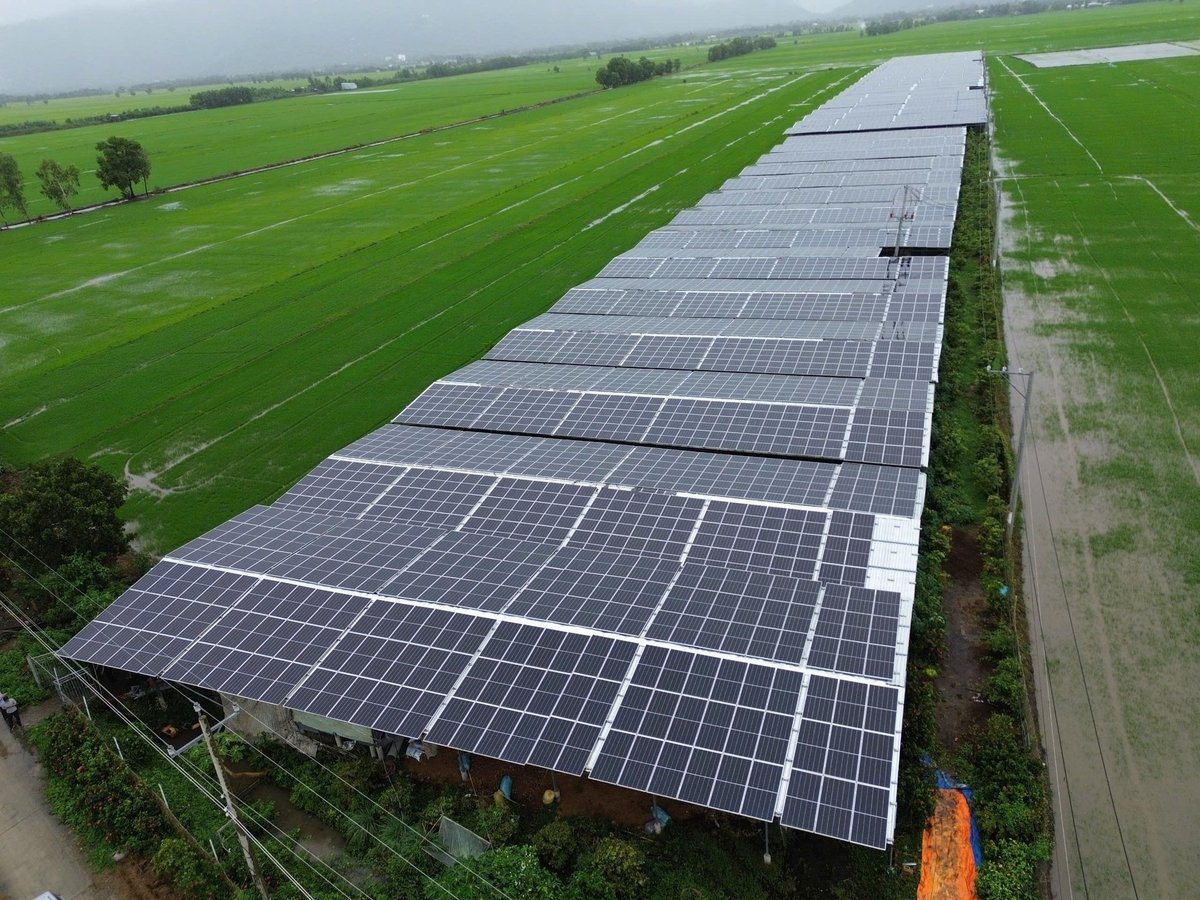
<point x="37" y="852"/>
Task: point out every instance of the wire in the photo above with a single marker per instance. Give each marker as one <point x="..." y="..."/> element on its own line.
<point x="132" y="722"/>
<point x="422" y="837"/>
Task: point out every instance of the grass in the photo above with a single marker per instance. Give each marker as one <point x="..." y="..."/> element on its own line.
<point x="271" y="320"/>
<point x="201" y="144"/>
<point x="1107" y="206"/>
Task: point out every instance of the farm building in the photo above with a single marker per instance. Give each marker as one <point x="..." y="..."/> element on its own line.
<point x="664" y="537"/>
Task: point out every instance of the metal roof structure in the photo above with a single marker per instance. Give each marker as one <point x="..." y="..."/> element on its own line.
<point x="664" y="535"/>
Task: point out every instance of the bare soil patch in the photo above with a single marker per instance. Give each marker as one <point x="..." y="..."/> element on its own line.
<point x="135" y="879"/>
<point x="963" y="670"/>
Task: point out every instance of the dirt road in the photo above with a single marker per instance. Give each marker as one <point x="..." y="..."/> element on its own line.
<point x="37" y="853"/>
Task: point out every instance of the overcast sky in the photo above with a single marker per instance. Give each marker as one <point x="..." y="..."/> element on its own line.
<point x="24" y="10"/>
<point x="48" y="46"/>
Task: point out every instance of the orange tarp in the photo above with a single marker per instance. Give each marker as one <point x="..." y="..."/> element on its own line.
<point x="947" y="861"/>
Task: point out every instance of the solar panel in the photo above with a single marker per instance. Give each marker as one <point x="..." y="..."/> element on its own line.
<point x="664" y="535"/>
<point x="839" y="786"/>
<point x="856" y="632"/>
<point x="158" y="618"/>
<point x="434" y="498"/>
<point x="471" y="571"/>
<point x="759" y="538"/>
<point x="536" y="510"/>
<point x="612" y="592"/>
<point x="393" y="667"/>
<point x="717" y="326"/>
<point x="647" y="523"/>
<point x="728" y="305"/>
<point x="782" y="356"/>
<point x="884" y="490"/>
<point x="536" y="696"/>
<point x="337" y="487"/>
<point x="267" y="641"/>
<point x="743" y="613"/>
<point x="704" y="730"/>
<point x="890" y="437"/>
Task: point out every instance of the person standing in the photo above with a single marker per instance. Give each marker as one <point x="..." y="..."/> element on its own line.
<point x="12" y="715"/>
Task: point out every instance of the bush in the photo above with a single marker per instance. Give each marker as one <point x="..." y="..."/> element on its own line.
<point x="1009" y="871"/>
<point x="1006" y="688"/>
<point x="98" y="787"/>
<point x="556" y="845"/>
<point x="588" y="884"/>
<point x="192" y="874"/>
<point x="619" y="863"/>
<point x="16" y="678"/>
<point x="57" y="508"/>
<point x="1010" y="798"/>
<point x="511" y="871"/>
<point x="496" y="824"/>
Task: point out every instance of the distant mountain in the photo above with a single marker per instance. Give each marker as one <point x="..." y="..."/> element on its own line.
<point x="888" y="9"/>
<point x="161" y="40"/>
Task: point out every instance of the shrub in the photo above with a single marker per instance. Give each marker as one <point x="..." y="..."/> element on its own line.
<point x="511" y="871"/>
<point x="97" y="786"/>
<point x="1006" y="688"/>
<point x="1010" y="798"/>
<point x="496" y="824"/>
<point x="620" y="863"/>
<point x="588" y="884"/>
<point x="192" y="874"/>
<point x="1009" y="871"/>
<point x="556" y="845"/>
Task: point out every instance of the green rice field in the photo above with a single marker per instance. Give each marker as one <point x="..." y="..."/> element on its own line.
<point x="1102" y="178"/>
<point x="214" y="344"/>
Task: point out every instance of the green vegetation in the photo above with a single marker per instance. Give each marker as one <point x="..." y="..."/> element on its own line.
<point x="621" y="71"/>
<point x="1102" y="190"/>
<point x="122" y="163"/>
<point x="12" y="188"/>
<point x="970" y="478"/>
<point x="300" y="320"/>
<point x="59" y="183"/>
<point x="739" y="46"/>
<point x="59" y="508"/>
<point x="387" y="818"/>
<point x="214" y="345"/>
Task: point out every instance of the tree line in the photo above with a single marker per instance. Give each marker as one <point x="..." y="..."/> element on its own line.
<point x="621" y="70"/>
<point x="121" y="163"/>
<point x="739" y="46"/>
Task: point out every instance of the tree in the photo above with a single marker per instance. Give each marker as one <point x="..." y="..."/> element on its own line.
<point x="12" y="188"/>
<point x="122" y="163"/>
<point x="57" y="508"/>
<point x="59" y="183"/>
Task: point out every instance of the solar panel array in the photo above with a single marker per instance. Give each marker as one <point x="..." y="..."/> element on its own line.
<point x="664" y="535"/>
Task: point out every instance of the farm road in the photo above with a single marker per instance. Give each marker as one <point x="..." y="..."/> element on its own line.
<point x="37" y="852"/>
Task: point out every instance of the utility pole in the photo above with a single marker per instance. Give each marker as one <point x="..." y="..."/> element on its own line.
<point x="904" y="214"/>
<point x="1026" y="396"/>
<point x="230" y="809"/>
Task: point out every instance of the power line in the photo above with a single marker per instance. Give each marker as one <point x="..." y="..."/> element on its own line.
<point x="424" y="838"/>
<point x="132" y="721"/>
